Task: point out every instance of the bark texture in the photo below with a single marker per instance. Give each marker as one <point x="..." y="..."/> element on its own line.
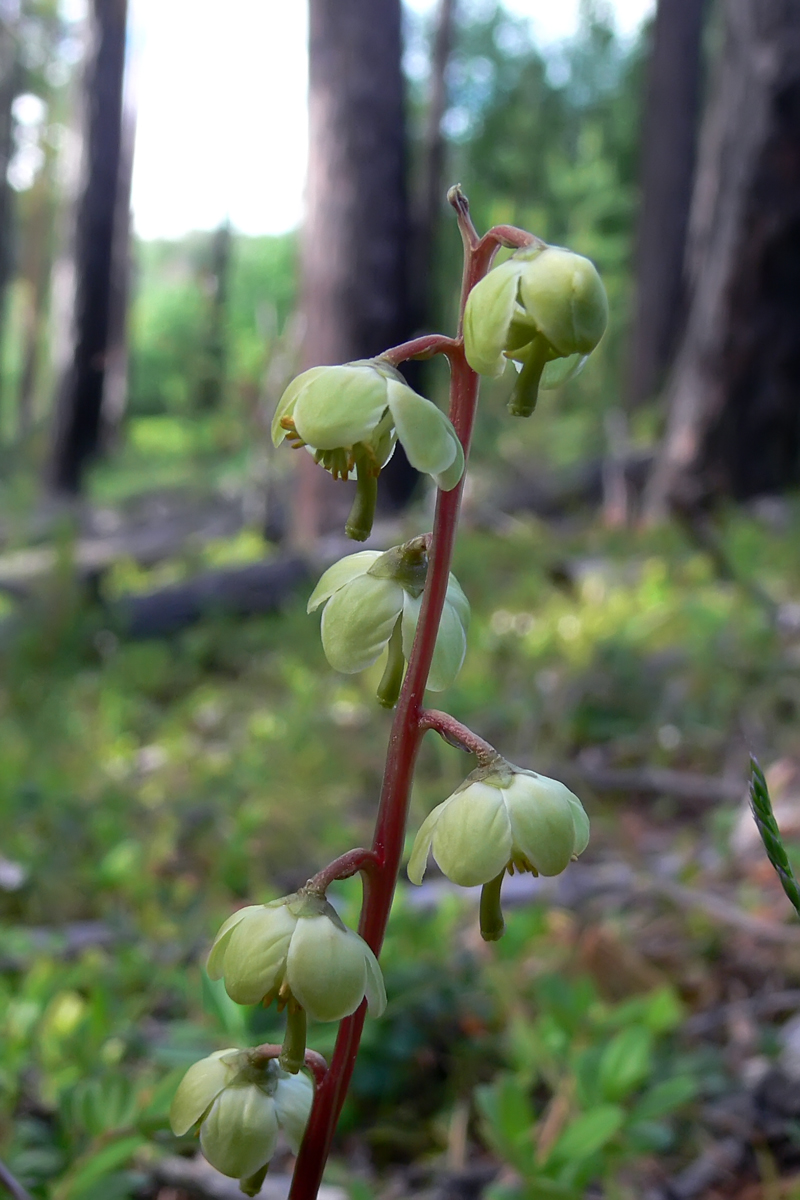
<point x="734" y="420"/>
<point x="354" y="278"/>
<point x="668" y="158"/>
<point x="354" y="244"/>
<point x="80" y="394"/>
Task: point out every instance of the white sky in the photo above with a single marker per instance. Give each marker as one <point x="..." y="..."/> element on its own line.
<point x="222" y="123"/>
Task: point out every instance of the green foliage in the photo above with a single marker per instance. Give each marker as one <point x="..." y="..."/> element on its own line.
<point x="170" y="317"/>
<point x="148" y="788"/>
<point x="610" y="1080"/>
<point x="771" y="835"/>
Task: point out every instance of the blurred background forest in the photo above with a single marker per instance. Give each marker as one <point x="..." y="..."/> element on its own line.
<point x="172" y="741"/>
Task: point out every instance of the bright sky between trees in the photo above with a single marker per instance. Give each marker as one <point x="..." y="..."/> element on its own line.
<point x="222" y="120"/>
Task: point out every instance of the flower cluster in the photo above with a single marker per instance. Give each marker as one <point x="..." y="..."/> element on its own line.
<point x="545" y="309"/>
<point x="371" y="598"/>
<point x="239" y="1105"/>
<point x="502" y="818"/>
<point x="351" y="417"/>
<point x="297" y="951"/>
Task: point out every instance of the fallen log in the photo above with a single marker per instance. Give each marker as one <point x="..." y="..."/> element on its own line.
<point x="253" y="590"/>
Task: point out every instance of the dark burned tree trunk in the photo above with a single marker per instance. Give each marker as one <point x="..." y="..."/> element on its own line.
<point x="80" y="395"/>
<point x="115" y="377"/>
<point x="354" y="286"/>
<point x="211" y="374"/>
<point x="734" y="417"/>
<point x="668" y="158"/>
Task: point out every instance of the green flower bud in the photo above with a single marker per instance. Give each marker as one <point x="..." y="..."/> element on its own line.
<point x="365" y="596"/>
<point x="546" y="309"/>
<point x="502" y="818"/>
<point x="240" y="1103"/>
<point x="298" y="950"/>
<point x="351" y="417"/>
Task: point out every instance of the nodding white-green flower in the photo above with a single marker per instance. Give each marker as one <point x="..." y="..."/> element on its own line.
<point x="373" y="600"/>
<point x="351" y="417"/>
<point x="297" y="950"/>
<point x="502" y="818"/>
<point x="544" y="308"/>
<point x="240" y="1104"/>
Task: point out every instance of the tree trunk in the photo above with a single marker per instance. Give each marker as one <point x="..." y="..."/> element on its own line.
<point x="211" y="374"/>
<point x="734" y="420"/>
<point x="668" y="158"/>
<point x="115" y="380"/>
<point x="354" y="286"/>
<point x="9" y="78"/>
<point x="430" y="200"/>
<point x="80" y="394"/>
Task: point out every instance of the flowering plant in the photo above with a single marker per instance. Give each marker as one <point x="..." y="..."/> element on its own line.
<point x="543" y="306"/>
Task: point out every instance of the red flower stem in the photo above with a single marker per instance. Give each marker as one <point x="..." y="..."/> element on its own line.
<point x="458" y="735"/>
<point x="422" y="347"/>
<point x="407" y="729"/>
<point x="344" y="867"/>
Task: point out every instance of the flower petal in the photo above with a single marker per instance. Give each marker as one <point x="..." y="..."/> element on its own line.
<point x="201" y="1084"/>
<point x="581" y="822"/>
<point x="294" y="1095"/>
<point x="375" y="989"/>
<point x="358" y="620"/>
<point x="472" y="838"/>
<point x="289" y="399"/>
<point x="541" y="821"/>
<point x="560" y="370"/>
<point x="451" y="640"/>
<point x="447" y="479"/>
<point x="220" y="944"/>
<point x="418" y="862"/>
<point x="450" y="649"/>
<point x="340" y="407"/>
<point x="487" y="317"/>
<point x="427" y="436"/>
<point x="239" y="1134"/>
<point x="326" y="969"/>
<point x="256" y="954"/>
<point x="563" y="293"/>
<point x="339" y="574"/>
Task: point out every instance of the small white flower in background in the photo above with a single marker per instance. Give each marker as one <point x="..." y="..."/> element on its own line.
<point x="297" y="950"/>
<point x="501" y="818"/>
<point x="546" y="309"/>
<point x="240" y="1106"/>
<point x="365" y="596"/>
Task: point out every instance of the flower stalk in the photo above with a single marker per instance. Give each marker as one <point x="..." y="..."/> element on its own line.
<point x="410" y="721"/>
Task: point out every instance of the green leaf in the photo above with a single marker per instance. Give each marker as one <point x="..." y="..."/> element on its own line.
<point x="626" y="1062"/>
<point x="665" y="1097"/>
<point x="770" y="834"/>
<point x="663" y="1011"/>
<point x="93" y="1166"/>
<point x="587" y="1134"/>
<point x="508" y="1119"/>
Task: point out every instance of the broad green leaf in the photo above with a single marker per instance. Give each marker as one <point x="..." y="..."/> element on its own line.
<point x="587" y="1134"/>
<point x="93" y="1166"/>
<point x="665" y="1097"/>
<point x="508" y="1119"/>
<point x="626" y="1062"/>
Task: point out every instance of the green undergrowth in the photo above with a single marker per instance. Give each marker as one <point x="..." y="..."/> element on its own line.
<point x="149" y="787"/>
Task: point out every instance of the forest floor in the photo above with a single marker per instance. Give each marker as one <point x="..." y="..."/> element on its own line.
<point x="636" y="1031"/>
